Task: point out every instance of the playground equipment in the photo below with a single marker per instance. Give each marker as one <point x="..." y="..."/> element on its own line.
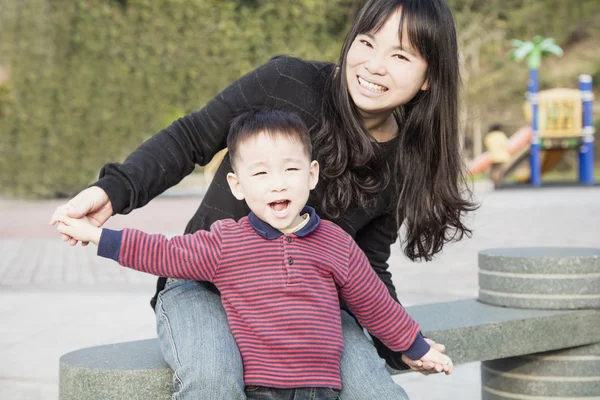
<point x="561" y="120"/>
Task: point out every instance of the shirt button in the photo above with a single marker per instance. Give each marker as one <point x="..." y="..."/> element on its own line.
<point x="289" y="239"/>
<point x="290" y="260"/>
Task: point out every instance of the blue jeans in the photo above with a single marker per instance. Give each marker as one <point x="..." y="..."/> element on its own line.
<point x="196" y="342"/>
<point x="264" y="393"/>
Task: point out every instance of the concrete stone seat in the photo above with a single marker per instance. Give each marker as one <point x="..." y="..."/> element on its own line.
<point x="471" y="331"/>
<point x="513" y="343"/>
<point x="128" y="370"/>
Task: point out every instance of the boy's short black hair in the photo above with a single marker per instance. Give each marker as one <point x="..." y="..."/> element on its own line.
<point x="267" y="120"/>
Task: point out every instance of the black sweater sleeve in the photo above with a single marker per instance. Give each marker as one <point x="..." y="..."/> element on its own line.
<point x="376" y="240"/>
<point x="167" y="157"/>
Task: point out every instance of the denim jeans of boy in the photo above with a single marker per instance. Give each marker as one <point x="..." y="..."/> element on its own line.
<point x="263" y="393"/>
<point x="196" y="342"/>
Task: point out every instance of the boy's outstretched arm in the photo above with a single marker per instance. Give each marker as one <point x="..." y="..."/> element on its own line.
<point x="369" y="300"/>
<point x="194" y="256"/>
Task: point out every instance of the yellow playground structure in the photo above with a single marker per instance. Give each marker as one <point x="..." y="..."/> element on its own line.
<point x="561" y="127"/>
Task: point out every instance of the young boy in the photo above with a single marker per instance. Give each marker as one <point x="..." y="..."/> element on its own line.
<point x="279" y="270"/>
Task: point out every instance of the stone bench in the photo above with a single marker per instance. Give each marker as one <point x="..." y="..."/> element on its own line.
<point x="471" y="330"/>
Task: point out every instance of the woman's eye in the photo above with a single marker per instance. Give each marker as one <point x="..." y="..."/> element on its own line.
<point x="401" y="57"/>
<point x="366" y="43"/>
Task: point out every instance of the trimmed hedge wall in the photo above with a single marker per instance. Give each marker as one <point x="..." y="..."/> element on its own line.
<point x="89" y="80"/>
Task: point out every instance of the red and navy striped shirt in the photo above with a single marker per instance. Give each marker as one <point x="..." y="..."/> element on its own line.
<point x="280" y="292"/>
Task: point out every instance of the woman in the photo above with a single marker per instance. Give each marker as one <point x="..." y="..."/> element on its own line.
<point x="384" y="127"/>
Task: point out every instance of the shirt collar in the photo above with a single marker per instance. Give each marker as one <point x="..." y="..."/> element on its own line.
<point x="268" y="232"/>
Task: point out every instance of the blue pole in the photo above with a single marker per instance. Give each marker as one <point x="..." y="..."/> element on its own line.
<point x="586" y="151"/>
<point x="534" y="154"/>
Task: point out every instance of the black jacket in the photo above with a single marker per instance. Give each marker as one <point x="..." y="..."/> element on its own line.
<point x="170" y="155"/>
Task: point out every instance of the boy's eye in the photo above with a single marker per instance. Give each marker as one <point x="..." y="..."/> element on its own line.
<point x="259" y="173"/>
<point x="292" y="169"/>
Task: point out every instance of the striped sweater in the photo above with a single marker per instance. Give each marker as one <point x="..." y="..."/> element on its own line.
<point x="280" y="292"/>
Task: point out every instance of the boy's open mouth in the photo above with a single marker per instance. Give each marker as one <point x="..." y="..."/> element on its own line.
<point x="279" y="205"/>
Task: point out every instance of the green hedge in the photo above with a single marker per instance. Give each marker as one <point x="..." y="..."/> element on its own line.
<point x="90" y="80"/>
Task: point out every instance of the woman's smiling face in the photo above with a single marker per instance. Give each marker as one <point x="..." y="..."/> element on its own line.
<point x="383" y="73"/>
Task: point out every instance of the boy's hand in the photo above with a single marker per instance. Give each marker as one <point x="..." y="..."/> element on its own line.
<point x="93" y="203"/>
<point x="441" y="361"/>
<point x="425" y="368"/>
<point x="77" y="228"/>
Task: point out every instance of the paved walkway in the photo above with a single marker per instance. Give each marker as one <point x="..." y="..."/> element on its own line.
<point x="55" y="299"/>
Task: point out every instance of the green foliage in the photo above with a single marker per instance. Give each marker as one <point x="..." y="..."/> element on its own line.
<point x="92" y="79"/>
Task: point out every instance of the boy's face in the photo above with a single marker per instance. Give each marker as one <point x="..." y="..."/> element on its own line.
<point x="274" y="175"/>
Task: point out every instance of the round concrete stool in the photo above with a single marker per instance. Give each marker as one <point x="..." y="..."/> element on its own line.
<point x="540" y="278"/>
<point x="565" y="374"/>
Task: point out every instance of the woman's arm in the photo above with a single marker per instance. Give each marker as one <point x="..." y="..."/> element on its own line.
<point x="171" y="154"/>
<point x="376" y="240"/>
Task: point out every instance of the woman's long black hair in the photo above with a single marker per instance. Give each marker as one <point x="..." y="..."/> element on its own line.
<point x="427" y="171"/>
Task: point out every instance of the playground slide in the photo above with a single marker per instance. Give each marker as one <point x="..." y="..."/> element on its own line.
<point x="518" y="148"/>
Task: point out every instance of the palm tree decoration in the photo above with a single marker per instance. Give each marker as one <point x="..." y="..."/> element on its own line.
<point x="534" y="51"/>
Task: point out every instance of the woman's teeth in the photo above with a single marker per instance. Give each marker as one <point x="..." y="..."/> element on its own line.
<point x="371" y="86"/>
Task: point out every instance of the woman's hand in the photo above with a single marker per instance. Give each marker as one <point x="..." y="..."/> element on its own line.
<point x="427" y="367"/>
<point x="92" y="203"/>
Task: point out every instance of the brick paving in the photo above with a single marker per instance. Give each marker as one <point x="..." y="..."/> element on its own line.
<point x="35" y="257"/>
<point x="55" y="299"/>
